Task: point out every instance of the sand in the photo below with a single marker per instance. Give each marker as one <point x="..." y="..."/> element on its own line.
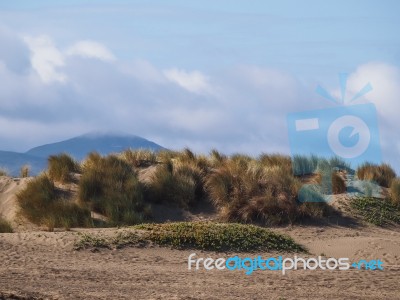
<point x="36" y="264"/>
<point x="44" y="265"/>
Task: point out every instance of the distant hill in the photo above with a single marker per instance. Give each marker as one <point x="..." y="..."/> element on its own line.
<point x="77" y="147"/>
<point x="13" y="161"/>
<point x="80" y="146"/>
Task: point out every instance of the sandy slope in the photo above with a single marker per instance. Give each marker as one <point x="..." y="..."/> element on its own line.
<point x="9" y="187"/>
<point x="44" y="265"/>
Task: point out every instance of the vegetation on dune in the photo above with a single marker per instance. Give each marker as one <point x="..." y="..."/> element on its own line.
<point x="197" y="235"/>
<point x="42" y="204"/>
<point x="139" y="158"/>
<point x="245" y="191"/>
<point x="266" y="190"/>
<point x="61" y="167"/>
<point x="382" y="174"/>
<point x="180" y="181"/>
<point x="24" y="171"/>
<point x="375" y="210"/>
<point x="395" y="191"/>
<point x="111" y="187"/>
<point x="218" y="237"/>
<point x="3" y="172"/>
<point x="5" y="227"/>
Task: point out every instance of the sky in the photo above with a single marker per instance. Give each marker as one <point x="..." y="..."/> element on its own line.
<point x="199" y="74"/>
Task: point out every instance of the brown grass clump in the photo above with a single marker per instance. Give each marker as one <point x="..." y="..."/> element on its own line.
<point x="41" y="204"/>
<point x="178" y="183"/>
<point x="338" y="183"/>
<point x="395" y="191"/>
<point x="110" y="187"/>
<point x="382" y="174"/>
<point x="140" y="158"/>
<point x="245" y="191"/>
<point x="24" y="171"/>
<point x="61" y="166"/>
<point x="5" y="227"/>
<point x="3" y="172"/>
<point x="276" y="160"/>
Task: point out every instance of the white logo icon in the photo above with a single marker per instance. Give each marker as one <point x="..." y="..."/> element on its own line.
<point x="359" y="127"/>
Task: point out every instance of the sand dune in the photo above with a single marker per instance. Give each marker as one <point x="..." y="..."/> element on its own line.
<point x="9" y="187"/>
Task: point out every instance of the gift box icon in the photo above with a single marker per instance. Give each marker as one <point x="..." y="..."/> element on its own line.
<point x="348" y="131"/>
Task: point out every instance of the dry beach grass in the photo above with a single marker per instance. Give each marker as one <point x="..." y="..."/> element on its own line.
<point x="183" y="186"/>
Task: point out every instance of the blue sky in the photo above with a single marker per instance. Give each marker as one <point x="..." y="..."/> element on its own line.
<point x="202" y="74"/>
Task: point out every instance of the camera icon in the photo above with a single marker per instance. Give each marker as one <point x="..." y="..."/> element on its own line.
<point x="350" y="132"/>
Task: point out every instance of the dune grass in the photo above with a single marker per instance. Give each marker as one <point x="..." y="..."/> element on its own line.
<point x="207" y="236"/>
<point x="24" y="171"/>
<point x="139" y="158"/>
<point x="261" y="190"/>
<point x="382" y="174"/>
<point x="110" y="187"/>
<point x="61" y="166"/>
<point x="179" y="181"/>
<point x="5" y="227"/>
<point x="41" y="204"/>
<point x="3" y="172"/>
<point x="395" y="191"/>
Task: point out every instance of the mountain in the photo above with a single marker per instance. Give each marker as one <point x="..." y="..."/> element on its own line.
<point x="77" y="147"/>
<point x="13" y="161"/>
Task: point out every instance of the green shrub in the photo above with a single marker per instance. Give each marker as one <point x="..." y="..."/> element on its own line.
<point x="61" y="166"/>
<point x="382" y="174"/>
<point x="24" y="172"/>
<point x="395" y="191"/>
<point x="41" y="204"/>
<point x="218" y="237"/>
<point x="5" y="227"/>
<point x="111" y="187"/>
<point x="376" y="210"/>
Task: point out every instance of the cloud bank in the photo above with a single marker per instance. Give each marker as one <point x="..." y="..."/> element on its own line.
<point x="49" y="93"/>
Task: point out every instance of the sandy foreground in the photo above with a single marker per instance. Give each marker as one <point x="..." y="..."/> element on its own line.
<point x="44" y="265"/>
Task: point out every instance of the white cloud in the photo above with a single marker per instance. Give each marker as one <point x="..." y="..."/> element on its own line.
<point x="244" y="109"/>
<point x="194" y="81"/>
<point x="385" y="80"/>
<point x="46" y="58"/>
<point x="90" y="49"/>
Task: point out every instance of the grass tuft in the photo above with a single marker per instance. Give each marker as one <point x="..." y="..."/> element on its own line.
<point x="110" y="186"/>
<point x="139" y="158"/>
<point x="61" y="166"/>
<point x="24" y="171"/>
<point x="41" y="204"/>
<point x="5" y="227"/>
<point x="382" y="174"/>
<point x="395" y="191"/>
